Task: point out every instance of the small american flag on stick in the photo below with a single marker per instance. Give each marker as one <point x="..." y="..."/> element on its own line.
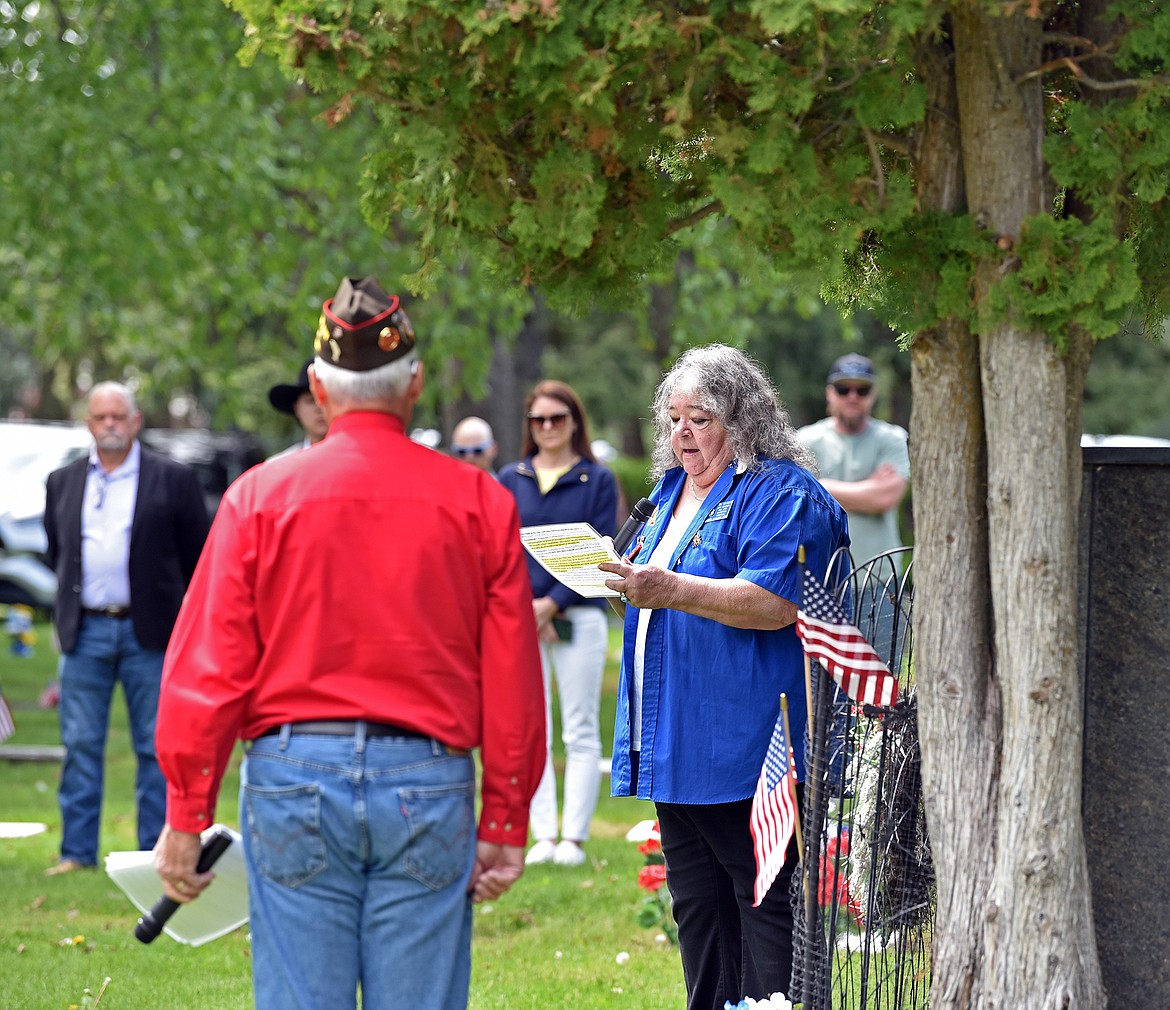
<point x="829" y="636"/>
<point x="774" y="816"/>
<point x="7" y="723"/>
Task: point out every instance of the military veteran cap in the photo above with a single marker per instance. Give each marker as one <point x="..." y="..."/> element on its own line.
<point x="362" y="327"/>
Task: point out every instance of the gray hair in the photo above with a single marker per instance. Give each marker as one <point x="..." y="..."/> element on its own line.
<point x="733" y="388"/>
<point x="383" y="385"/>
<point x="118" y="389"/>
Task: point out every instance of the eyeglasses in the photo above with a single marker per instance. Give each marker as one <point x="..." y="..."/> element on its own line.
<point x="471" y="450"/>
<point x="554" y="420"/>
<point x="101" y="485"/>
<point x="861" y="391"/>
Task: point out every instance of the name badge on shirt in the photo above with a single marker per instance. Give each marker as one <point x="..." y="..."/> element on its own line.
<point x="720" y="511"/>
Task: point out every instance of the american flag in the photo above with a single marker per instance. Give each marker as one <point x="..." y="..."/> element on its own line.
<point x="773" y="817"/>
<point x="828" y="635"/>
<point x="7" y="725"/>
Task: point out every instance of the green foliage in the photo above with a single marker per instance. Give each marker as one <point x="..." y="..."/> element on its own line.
<point x="1069" y="273"/>
<point x="1119" y="389"/>
<point x="594" y="152"/>
<point x="175" y="218"/>
<point x="632" y="475"/>
<point x="572" y="145"/>
<point x="916" y="275"/>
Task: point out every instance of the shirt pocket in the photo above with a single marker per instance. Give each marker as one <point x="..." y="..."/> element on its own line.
<point x="710" y="552"/>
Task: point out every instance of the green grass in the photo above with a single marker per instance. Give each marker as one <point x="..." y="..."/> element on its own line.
<point x="552" y="942"/>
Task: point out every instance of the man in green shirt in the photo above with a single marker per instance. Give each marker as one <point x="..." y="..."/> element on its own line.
<point x="864" y="462"/>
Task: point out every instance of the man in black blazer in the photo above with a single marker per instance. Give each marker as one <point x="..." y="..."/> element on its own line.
<point x="125" y="527"/>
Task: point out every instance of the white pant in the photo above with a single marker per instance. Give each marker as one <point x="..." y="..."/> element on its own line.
<point x="578" y="666"/>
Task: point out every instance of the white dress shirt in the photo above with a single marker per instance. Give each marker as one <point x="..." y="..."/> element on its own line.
<point x="107" y="511"/>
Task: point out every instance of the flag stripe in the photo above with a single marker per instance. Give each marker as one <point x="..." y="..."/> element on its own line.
<point x="830" y="638"/>
<point x="7" y="724"/>
<point x="773" y="815"/>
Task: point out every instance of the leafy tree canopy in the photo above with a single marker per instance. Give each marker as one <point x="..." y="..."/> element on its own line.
<point x="795" y="121"/>
<point x="176" y="218"/>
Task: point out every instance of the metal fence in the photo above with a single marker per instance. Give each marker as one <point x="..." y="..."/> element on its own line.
<point x="864" y="900"/>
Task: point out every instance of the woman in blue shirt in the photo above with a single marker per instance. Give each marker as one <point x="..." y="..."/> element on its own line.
<point x="559" y="481"/>
<point x="710" y="645"/>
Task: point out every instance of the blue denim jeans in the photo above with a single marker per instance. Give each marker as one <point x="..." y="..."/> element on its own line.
<point x="359" y="851"/>
<point x="106" y="653"/>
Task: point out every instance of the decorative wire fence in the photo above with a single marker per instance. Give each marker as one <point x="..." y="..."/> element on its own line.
<point x="864" y="901"/>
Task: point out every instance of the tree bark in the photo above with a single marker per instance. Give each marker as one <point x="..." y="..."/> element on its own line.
<point x="959" y="706"/>
<point x="959" y="714"/>
<point x="1001" y="702"/>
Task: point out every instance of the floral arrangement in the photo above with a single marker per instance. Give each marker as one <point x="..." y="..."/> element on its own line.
<point x="655" y="910"/>
<point x="833" y="887"/>
<point x="777" y="1001"/>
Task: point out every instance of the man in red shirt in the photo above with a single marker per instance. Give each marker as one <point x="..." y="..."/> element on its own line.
<point x="361" y="617"/>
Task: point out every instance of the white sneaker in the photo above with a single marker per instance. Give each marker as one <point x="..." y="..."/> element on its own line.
<point x="543" y="851"/>
<point x="569" y="854"/>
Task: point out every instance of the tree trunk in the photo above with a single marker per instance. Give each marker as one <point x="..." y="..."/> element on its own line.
<point x="1001" y="702"/>
<point x="959" y="715"/>
<point x="959" y="708"/>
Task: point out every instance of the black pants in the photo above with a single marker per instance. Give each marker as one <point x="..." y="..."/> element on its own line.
<point x="729" y="949"/>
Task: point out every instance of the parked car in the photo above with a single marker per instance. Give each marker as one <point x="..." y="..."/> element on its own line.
<point x="218" y="457"/>
<point x="1128" y="441"/>
<point x="29" y="452"/>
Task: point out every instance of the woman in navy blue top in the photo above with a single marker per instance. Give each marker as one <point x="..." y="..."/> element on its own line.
<point x="559" y="481"/>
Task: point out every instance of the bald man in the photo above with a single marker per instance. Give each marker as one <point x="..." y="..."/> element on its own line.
<point x="472" y="441"/>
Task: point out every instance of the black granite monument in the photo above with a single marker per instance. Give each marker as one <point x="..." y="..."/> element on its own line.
<point x="1125" y="583"/>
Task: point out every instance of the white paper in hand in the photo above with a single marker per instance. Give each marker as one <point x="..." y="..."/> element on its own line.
<point x="570" y="553"/>
<point x="222" y="907"/>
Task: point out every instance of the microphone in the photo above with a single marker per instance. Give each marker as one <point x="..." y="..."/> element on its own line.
<point x="641" y="512"/>
<point x="151" y="924"/>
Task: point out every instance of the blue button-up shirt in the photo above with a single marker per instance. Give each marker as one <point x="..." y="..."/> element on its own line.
<point x="711" y="692"/>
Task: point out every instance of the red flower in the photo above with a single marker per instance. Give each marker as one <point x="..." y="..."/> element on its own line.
<point x="652" y="877"/>
<point x="833" y="888"/>
<point x="650" y="847"/>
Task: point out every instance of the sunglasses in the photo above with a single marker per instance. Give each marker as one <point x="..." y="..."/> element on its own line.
<point x="862" y="391"/>
<point x="471" y="450"/>
<point x="555" y="420"/>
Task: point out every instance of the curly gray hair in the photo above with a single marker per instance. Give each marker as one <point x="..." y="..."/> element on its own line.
<point x="733" y="388"/>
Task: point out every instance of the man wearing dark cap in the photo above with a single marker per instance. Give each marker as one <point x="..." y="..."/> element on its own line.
<point x="361" y="619"/>
<point x="298" y="400"/>
<point x="863" y="462"/>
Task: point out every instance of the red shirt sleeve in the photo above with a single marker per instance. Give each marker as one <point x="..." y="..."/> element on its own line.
<point x="208" y="673"/>
<point x="513" y="688"/>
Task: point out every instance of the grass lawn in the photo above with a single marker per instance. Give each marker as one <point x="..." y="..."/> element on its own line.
<point x="552" y="943"/>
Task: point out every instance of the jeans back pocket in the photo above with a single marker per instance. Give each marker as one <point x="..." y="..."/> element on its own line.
<point x="284" y="825"/>
<point x="441" y="821"/>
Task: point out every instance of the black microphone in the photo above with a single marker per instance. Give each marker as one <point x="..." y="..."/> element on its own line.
<point x="151" y="924"/>
<point x="642" y="511"/>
